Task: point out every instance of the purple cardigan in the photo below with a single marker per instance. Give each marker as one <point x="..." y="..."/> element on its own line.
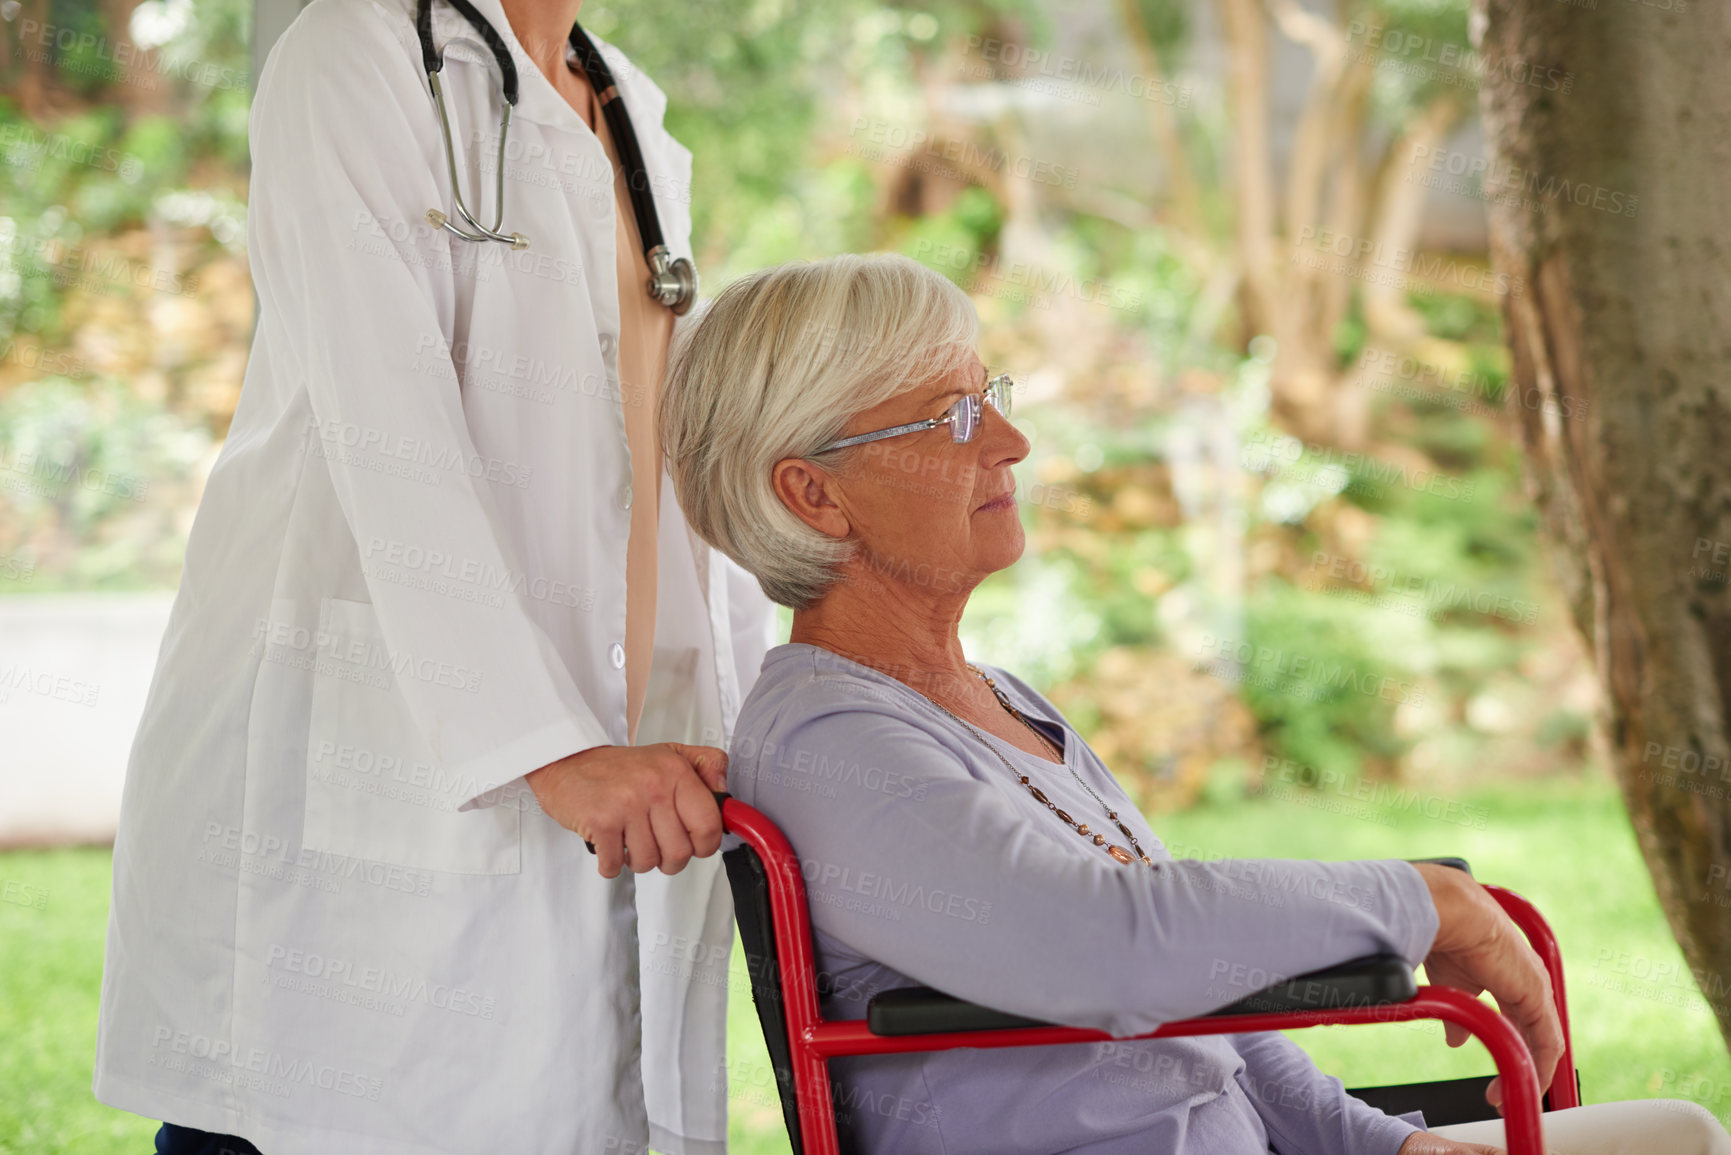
<point x="927" y="862"/>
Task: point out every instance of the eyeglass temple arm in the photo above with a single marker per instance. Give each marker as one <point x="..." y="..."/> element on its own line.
<point x="911" y="427"/>
<point x="861" y="439"/>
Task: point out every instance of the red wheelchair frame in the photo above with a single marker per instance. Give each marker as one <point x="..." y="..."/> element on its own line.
<point x="784" y="985"/>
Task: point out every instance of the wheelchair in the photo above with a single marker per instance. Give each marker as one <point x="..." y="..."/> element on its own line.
<point x="775" y="932"/>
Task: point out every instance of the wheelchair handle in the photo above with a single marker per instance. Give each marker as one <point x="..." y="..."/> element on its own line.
<point x="720" y="797"/>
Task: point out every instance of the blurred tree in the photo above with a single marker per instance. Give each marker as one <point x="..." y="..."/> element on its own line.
<point x="1367" y="112"/>
<point x="1624" y="323"/>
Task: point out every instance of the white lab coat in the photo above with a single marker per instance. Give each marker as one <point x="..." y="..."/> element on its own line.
<point x="340" y="923"/>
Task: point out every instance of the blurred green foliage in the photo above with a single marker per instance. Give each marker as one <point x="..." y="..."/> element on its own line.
<point x="750" y="89"/>
<point x="78" y="463"/>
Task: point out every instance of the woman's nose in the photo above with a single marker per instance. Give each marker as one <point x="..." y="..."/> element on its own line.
<point x="1001" y="443"/>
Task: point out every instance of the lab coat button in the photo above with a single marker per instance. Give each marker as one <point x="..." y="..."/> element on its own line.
<point x="616" y="654"/>
<point x="625" y="498"/>
<point x="607" y="343"/>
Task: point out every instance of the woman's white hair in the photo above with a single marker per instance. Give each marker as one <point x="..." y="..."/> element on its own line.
<point x="775" y="368"/>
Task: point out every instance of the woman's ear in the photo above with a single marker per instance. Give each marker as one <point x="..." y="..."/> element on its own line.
<point x="806" y="489"/>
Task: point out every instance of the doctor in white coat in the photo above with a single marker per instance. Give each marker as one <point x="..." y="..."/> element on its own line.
<point x="352" y="911"/>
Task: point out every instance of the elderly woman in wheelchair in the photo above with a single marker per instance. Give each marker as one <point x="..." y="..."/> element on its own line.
<point x="830" y="428"/>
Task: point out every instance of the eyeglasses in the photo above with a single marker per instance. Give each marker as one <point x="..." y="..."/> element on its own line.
<point x="963" y="417"/>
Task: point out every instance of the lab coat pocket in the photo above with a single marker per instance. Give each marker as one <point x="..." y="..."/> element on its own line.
<point x="373" y="787"/>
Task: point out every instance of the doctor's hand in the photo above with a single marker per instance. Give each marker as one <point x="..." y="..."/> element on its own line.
<point x="655" y="804"/>
<point x="1478" y="948"/>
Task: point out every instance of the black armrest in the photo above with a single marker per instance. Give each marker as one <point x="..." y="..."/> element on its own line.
<point x="1373" y="980"/>
<point x="1369" y="981"/>
<point x="924" y="1011"/>
<point x="1457" y="863"/>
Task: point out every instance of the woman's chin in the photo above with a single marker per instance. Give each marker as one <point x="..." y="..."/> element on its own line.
<point x="1006" y="553"/>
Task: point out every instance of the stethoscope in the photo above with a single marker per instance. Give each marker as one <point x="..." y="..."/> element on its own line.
<point x="672" y="281"/>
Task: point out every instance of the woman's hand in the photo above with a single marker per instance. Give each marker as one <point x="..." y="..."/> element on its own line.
<point x="1424" y="1143"/>
<point x="1479" y="948"/>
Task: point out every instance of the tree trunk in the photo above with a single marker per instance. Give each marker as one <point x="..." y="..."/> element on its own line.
<point x="1620" y="329"/>
<point x="34" y="63"/>
<point x="1245" y="28"/>
<point x="1163" y="123"/>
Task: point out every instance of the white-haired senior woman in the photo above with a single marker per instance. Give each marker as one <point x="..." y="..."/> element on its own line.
<point x="830" y="428"/>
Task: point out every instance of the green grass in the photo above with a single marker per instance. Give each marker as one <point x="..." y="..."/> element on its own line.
<point x="1565" y="845"/>
<point x="51" y="929"/>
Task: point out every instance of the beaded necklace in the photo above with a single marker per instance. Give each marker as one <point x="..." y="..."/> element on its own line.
<point x="1118" y="853"/>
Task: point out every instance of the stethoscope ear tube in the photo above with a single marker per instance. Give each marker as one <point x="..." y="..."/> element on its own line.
<point x="434" y="61"/>
<point x="624" y="137"/>
<point x="672" y="280"/>
<point x="431" y="59"/>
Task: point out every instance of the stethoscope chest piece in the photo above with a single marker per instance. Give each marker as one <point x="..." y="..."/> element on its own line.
<point x="672" y="280"/>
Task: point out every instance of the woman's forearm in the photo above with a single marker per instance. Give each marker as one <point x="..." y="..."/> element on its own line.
<point x="949" y="883"/>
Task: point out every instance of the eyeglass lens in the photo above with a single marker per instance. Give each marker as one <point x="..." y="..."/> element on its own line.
<point x="965" y="413"/>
